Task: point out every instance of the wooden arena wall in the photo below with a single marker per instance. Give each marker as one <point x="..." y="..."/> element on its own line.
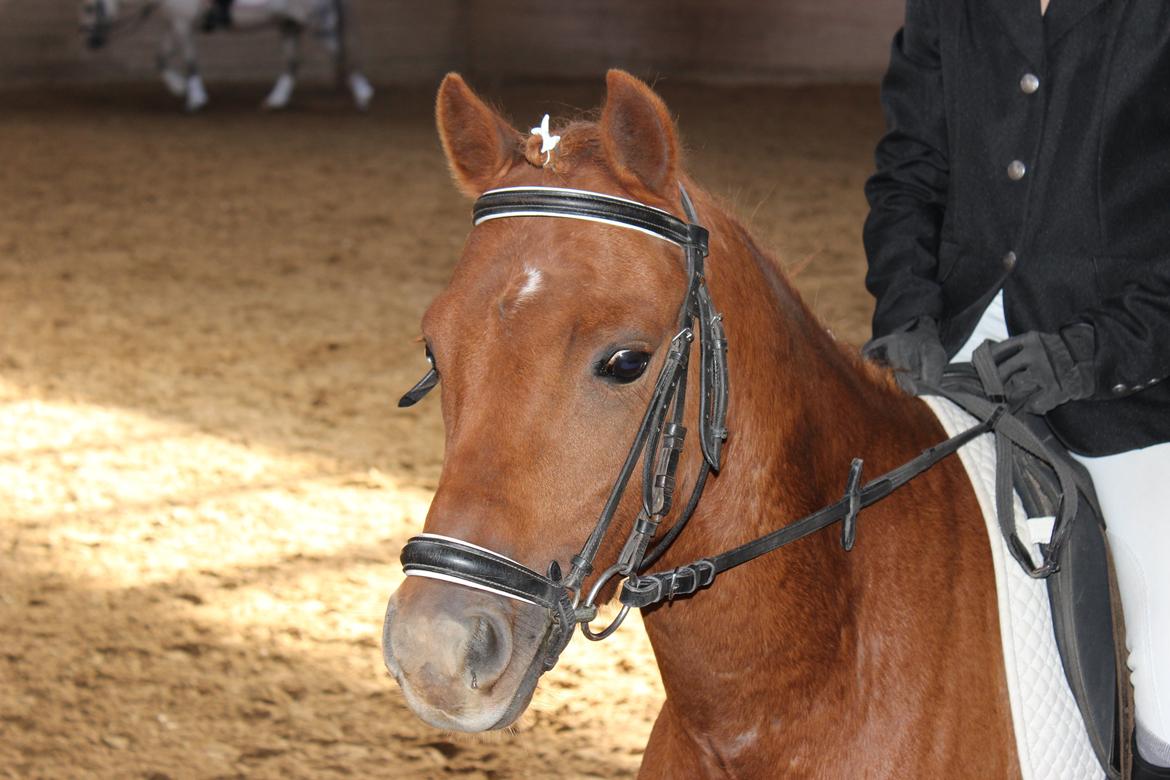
<point x="412" y="42"/>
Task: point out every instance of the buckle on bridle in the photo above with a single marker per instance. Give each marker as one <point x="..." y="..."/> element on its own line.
<point x="682" y="581"/>
<point x="618" y="569"/>
<point x="853" y="493"/>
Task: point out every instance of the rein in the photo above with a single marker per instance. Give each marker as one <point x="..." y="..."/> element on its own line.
<point x="658" y="443"/>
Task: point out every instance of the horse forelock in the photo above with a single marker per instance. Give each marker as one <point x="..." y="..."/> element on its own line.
<point x="580" y="161"/>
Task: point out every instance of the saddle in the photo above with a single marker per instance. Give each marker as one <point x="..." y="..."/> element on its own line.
<point x="1082" y="590"/>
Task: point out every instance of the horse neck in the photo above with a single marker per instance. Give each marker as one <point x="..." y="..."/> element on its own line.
<point x="801" y="408"/>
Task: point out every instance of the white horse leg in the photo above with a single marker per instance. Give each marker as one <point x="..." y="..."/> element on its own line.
<point x="290" y="40"/>
<point x="361" y="90"/>
<point x="196" y="93"/>
<point x="175" y="83"/>
<point x="341" y="45"/>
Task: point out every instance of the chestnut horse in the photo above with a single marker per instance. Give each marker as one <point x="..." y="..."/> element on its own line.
<point x="809" y="662"/>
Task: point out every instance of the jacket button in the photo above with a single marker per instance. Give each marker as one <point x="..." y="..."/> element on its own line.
<point x="1009" y="261"/>
<point x="1016" y="170"/>
<point x="1119" y="388"/>
<point x="1029" y="83"/>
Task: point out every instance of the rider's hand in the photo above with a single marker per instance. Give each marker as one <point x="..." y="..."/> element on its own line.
<point x="1041" y="371"/>
<point x="913" y="349"/>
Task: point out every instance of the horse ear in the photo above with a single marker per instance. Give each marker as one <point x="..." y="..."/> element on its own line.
<point x="638" y="135"/>
<point x="480" y="145"/>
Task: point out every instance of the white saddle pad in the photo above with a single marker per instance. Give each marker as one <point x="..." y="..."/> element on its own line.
<point x="1050" y="736"/>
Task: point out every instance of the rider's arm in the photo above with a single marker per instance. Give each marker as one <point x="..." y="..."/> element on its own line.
<point x="908" y="192"/>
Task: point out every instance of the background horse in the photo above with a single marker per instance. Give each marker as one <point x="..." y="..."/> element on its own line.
<point x="809" y="662"/>
<point x="327" y="19"/>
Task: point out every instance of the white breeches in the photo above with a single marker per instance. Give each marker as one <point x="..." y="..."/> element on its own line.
<point x="1134" y="490"/>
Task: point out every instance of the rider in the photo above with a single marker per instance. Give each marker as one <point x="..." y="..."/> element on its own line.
<point x="219" y="15"/>
<point x="1022" y="196"/>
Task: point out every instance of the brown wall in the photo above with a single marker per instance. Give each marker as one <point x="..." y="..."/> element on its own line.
<point x="416" y="41"/>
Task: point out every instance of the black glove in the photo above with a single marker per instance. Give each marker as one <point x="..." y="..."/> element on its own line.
<point x="1041" y="371"/>
<point x="913" y="349"/>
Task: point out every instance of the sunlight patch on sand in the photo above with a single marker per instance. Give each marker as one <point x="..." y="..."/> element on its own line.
<point x="257" y="578"/>
<point x="129" y="499"/>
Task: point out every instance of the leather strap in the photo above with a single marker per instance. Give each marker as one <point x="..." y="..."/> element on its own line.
<point x="1124" y="727"/>
<point x="441" y="557"/>
<point x="453" y="560"/>
<point x="645" y="590"/>
<point x="589" y="206"/>
<point x="423" y="386"/>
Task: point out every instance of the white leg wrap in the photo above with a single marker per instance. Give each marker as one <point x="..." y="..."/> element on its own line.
<point x="281" y="92"/>
<point x="196" y="94"/>
<point x="361" y="89"/>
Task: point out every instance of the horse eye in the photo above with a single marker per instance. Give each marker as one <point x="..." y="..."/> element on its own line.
<point x="624" y="366"/>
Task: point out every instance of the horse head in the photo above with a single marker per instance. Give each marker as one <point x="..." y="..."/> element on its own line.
<point x="548" y="340"/>
<point x="559" y="342"/>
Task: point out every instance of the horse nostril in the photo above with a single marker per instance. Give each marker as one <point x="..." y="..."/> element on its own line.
<point x="488" y="650"/>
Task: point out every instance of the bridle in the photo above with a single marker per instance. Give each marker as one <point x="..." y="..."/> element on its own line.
<point x="657" y="444"/>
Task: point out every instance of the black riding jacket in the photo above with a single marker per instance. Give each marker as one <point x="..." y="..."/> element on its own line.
<point x="1031" y="154"/>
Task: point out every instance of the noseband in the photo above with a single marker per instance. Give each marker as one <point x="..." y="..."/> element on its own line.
<point x="658" y="442"/>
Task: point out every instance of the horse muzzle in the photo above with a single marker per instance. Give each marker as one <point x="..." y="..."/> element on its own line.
<point x="466" y="660"/>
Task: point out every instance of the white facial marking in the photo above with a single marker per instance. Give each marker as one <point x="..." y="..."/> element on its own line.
<point x="533" y="281"/>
